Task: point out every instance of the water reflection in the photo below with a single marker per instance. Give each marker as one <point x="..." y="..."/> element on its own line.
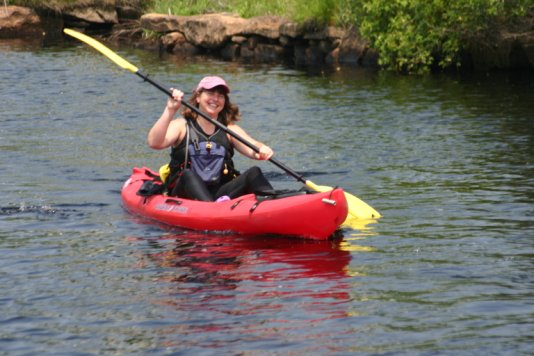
<point x="252" y="286"/>
<point x="234" y="257"/>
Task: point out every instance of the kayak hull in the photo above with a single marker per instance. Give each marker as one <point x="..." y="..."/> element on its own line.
<point x="314" y="216"/>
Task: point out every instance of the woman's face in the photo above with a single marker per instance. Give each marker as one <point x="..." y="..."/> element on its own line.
<point x="211" y="102"/>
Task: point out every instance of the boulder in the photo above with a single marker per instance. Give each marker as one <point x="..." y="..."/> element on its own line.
<point x="239" y="39"/>
<point x="17" y="21"/>
<point x="128" y="12"/>
<point x="209" y="31"/>
<point x="175" y="42"/>
<point x="327" y="33"/>
<point x="291" y="30"/>
<point x="525" y="46"/>
<point x="171" y="39"/>
<point x="299" y="55"/>
<point x="268" y="53"/>
<point x="231" y="51"/>
<point x="265" y="26"/>
<point x="507" y="46"/>
<point x="314" y="56"/>
<point x="162" y="23"/>
<point x="352" y="49"/>
<point x="503" y="51"/>
<point x="97" y="15"/>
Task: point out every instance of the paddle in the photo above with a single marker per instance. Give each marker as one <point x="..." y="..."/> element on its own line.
<point x="358" y="209"/>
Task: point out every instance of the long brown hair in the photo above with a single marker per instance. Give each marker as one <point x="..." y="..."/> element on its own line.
<point x="229" y="114"/>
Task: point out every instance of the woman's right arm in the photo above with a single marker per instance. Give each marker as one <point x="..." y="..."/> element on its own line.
<point x="166" y="131"/>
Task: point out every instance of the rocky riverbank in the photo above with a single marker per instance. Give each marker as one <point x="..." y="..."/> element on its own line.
<point x="259" y="39"/>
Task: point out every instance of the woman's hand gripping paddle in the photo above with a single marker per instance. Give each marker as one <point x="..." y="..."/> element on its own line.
<point x="358" y="209"/>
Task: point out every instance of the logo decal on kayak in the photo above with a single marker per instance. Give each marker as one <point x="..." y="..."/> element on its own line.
<point x="172" y="208"/>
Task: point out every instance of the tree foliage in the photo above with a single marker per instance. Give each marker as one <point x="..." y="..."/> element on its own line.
<point x="413" y="35"/>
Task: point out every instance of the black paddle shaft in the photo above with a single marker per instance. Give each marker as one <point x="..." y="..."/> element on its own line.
<point x="224" y="128"/>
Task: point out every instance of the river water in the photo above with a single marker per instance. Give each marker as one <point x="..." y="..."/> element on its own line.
<point x="447" y="159"/>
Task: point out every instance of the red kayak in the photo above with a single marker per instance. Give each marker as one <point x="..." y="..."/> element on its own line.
<point x="309" y="215"/>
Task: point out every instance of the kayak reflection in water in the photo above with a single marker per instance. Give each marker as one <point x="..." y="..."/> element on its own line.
<point x="201" y="166"/>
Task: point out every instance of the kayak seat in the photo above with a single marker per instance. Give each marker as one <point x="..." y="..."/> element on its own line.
<point x="149" y="188"/>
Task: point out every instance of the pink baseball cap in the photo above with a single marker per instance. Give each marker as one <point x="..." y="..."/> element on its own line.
<point x="212" y="82"/>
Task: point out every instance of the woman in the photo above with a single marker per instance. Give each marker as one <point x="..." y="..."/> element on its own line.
<point x="201" y="166"/>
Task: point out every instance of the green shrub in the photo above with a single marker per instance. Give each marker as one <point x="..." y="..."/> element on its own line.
<point x="413" y="35"/>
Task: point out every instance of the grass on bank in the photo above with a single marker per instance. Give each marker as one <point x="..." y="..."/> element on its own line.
<point x="320" y="11"/>
<point x="410" y="35"/>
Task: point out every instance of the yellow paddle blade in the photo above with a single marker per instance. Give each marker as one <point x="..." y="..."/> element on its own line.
<point x="121" y="62"/>
<point x="358" y="209"/>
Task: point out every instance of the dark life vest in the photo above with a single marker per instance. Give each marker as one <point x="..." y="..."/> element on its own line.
<point x="210" y="156"/>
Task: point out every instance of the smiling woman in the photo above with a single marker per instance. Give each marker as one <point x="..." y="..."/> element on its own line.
<point x="201" y="166"/>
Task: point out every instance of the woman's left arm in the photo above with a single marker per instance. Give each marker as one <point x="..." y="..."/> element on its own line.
<point x="265" y="151"/>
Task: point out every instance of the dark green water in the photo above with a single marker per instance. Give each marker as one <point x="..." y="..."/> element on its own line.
<point x="448" y="161"/>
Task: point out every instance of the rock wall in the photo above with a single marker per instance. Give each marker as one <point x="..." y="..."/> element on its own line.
<point x="505" y="48"/>
<point x="259" y="39"/>
<point x="16" y="22"/>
